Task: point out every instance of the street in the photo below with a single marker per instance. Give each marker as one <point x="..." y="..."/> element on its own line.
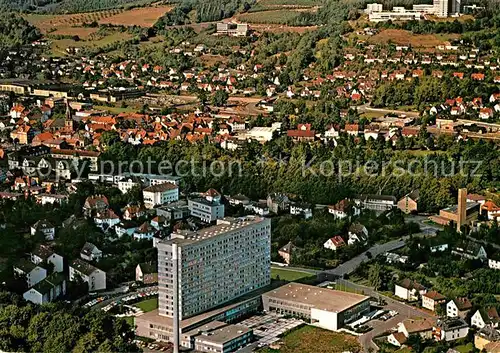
<point x="404" y="312"/>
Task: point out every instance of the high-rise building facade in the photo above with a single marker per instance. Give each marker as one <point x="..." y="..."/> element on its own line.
<point x="441" y="8"/>
<point x="216" y="264"/>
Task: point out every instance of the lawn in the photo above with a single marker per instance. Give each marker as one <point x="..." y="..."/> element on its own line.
<point x="148" y="304"/>
<point x="312" y="339"/>
<point x="269" y="17"/>
<point x="117" y="110"/>
<point x="288" y="275"/>
<point x="465" y="348"/>
<point x="130" y="320"/>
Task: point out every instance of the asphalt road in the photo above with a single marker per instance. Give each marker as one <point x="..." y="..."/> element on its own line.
<point x="404" y="312"/>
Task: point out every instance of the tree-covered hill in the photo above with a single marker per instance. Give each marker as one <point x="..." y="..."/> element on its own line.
<point x="15" y="31"/>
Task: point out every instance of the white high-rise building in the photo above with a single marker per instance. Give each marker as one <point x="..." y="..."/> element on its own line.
<point x="441" y="8"/>
<point x="216" y="264"/>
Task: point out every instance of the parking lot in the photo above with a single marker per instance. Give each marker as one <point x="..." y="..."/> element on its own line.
<point x="268" y="327"/>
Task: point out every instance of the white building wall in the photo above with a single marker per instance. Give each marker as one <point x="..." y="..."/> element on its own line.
<point x="325" y="319"/>
<point x="35" y="276"/>
<point x="401" y="292"/>
<point x="34" y="297"/>
<point x="477" y="320"/>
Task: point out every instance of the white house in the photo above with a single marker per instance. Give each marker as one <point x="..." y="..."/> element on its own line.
<point x="334" y="243"/>
<point x="396" y="339"/>
<point x="422" y="327"/>
<point x="128" y="183"/>
<point x="47" y="290"/>
<point x="451" y="329"/>
<point x="439" y="247"/>
<point x="90" y="252"/>
<point x="106" y="219"/>
<point x="123" y="228"/>
<point x="160" y="194"/>
<point x="44" y="254"/>
<point x="341" y="209"/>
<point x="432" y="299"/>
<point x="301" y="210"/>
<point x="357" y="233"/>
<point x="488" y="316"/>
<point x="30" y="271"/>
<point x="494" y="262"/>
<point x="95" y="278"/>
<point x="458" y="307"/>
<point x="44" y="227"/>
<point x="409" y="290"/>
<point x="145" y="231"/>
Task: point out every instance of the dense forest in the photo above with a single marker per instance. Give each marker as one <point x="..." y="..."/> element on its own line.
<point x="15" y="31"/>
<point x="58" y="328"/>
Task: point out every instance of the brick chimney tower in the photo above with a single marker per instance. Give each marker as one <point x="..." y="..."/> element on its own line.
<point x="462" y="208"/>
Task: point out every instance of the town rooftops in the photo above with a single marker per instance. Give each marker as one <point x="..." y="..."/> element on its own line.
<point x="462" y="303"/>
<point x="219" y="332"/>
<point x="434" y="295"/>
<point x="318" y="298"/>
<point x="83" y="267"/>
<point x="161" y="187"/>
<point x="453" y="323"/>
<point x="400" y="337"/>
<point x="25" y="266"/>
<point x="43" y="251"/>
<point x="88" y="249"/>
<point x="49" y="282"/>
<point x="372" y="197"/>
<point x="409" y="284"/>
<point x="418" y="325"/>
<point x="287" y="248"/>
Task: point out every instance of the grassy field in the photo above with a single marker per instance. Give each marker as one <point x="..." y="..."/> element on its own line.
<point x="143" y="16"/>
<point x="148" y="304"/>
<point x="269" y="17"/>
<point x="130" y="320"/>
<point x="309" y="339"/>
<point x="117" y="110"/>
<point x="465" y="348"/>
<point x="59" y="45"/>
<point x="402" y="37"/>
<point x="288" y="275"/>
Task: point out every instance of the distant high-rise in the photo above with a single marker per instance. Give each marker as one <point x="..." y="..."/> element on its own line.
<point x="216" y="265"/>
<point x="441" y="7"/>
<point x="461" y="208"/>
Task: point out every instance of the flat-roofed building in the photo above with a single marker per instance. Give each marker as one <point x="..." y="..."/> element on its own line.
<point x="325" y="308"/>
<point x="216" y="264"/>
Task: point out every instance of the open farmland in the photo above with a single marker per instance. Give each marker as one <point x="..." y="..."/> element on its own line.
<point x="49" y="23"/>
<point x="402" y="37"/>
<point x="268" y="17"/>
<point x="143" y="17"/>
<point x="309" y="339"/>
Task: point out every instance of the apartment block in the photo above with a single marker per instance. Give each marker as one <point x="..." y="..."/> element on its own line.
<point x="216" y="264"/>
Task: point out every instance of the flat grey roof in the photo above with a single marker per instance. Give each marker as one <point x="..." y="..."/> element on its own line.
<point x="316" y="297"/>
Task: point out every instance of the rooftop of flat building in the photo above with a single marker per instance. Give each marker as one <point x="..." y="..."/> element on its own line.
<point x="318" y="298"/>
<point x="224" y="225"/>
<point x="218" y="332"/>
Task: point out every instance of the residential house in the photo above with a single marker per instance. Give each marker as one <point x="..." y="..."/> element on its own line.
<point x="145" y="232"/>
<point x="278" y="202"/>
<point x="127" y="228"/>
<point x="44" y="254"/>
<point x="409" y="203"/>
<point x="393" y="258"/>
<point x="90" y="252"/>
<point x="342" y="209"/>
<point x="334" y="243"/>
<point x="422" y="327"/>
<point x="94" y="204"/>
<point x="47" y="290"/>
<point x="450" y="329"/>
<point x="160" y="194"/>
<point x="409" y="290"/>
<point x="44" y="227"/>
<point x="487" y="316"/>
<point x="95" y="278"/>
<point x="432" y="300"/>
<point x="146" y="273"/>
<point x="357" y="233"/>
<point x="31" y="272"/>
<point x="128" y="183"/>
<point x="106" y="219"/>
<point x="208" y="208"/>
<point x="485" y="337"/>
<point x="396" y="339"/>
<point x="491" y="210"/>
<point x="286" y="252"/>
<point x="458" y="307"/>
<point x="298" y="209"/>
<point x="132" y="212"/>
<point x="494" y="261"/>
<point x="470" y="250"/>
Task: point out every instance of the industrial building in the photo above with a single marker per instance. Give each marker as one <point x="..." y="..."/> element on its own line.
<point x="462" y="213"/>
<point x="325" y="308"/>
<point x="439" y="8"/>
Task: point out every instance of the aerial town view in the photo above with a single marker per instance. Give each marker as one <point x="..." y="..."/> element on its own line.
<point x="269" y="176"/>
